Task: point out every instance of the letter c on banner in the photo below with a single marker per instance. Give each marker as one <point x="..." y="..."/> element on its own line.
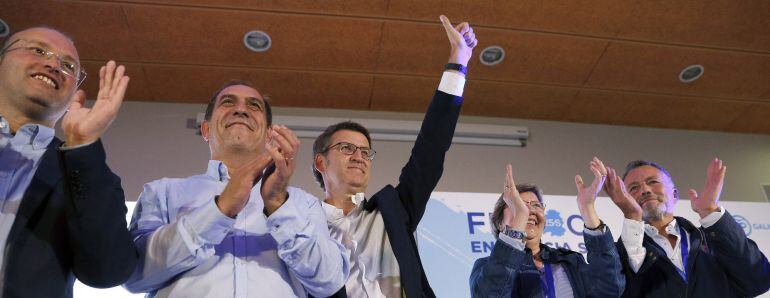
<point x="570" y="219"/>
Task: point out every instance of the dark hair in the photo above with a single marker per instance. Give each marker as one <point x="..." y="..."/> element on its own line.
<point x="213" y="100"/>
<point x="640" y="163"/>
<point x="321" y="143"/>
<point x="497" y="213"/>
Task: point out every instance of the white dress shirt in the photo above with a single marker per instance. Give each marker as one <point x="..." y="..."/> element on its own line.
<point x="374" y="270"/>
<point x="633" y="236"/>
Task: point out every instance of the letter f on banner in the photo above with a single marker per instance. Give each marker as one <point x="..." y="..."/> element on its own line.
<point x="472" y="222"/>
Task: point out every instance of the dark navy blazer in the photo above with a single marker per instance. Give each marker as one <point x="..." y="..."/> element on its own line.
<point x="71" y="223"/>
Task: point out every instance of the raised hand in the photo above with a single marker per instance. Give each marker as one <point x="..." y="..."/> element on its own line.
<point x="587" y="194"/>
<point x="242" y="179"/>
<point x="82" y="125"/>
<point x="516" y="205"/>
<point x="462" y="39"/>
<point x="282" y="147"/>
<point x="707" y="202"/>
<point x="615" y="188"/>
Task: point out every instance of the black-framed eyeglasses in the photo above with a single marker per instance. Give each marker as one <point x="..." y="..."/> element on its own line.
<point x="67" y="66"/>
<point x="350" y="149"/>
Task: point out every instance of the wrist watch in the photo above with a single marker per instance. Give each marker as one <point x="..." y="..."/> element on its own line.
<point x="515" y="234"/>
<point x="457" y="67"/>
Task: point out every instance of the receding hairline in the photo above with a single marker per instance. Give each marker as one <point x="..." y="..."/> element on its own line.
<point x="661" y="174"/>
<point x="222" y="92"/>
<point x="11" y="38"/>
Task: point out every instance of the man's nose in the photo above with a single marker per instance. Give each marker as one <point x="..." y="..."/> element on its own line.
<point x="644" y="188"/>
<point x="240" y="108"/>
<point x="359" y="156"/>
<point x="53" y="65"/>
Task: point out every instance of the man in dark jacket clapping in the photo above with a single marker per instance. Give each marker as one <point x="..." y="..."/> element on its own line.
<point x="667" y="256"/>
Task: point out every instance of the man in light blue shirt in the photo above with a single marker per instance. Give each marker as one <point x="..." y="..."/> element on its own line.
<point x="62" y="211"/>
<point x="236" y="230"/>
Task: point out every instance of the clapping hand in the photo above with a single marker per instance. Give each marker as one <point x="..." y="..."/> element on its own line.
<point x="282" y="147"/>
<point x="83" y="125"/>
<point x="706" y="203"/>
<point x="615" y="188"/>
<point x="587" y="194"/>
<point x="515" y="203"/>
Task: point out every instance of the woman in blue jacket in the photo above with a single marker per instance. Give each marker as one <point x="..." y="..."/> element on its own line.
<point x="521" y="266"/>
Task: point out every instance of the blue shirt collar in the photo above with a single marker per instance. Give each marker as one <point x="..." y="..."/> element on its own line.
<point x="36" y="135"/>
<point x="217" y="170"/>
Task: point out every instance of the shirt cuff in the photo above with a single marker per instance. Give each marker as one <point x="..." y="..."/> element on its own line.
<point x="597" y="232"/>
<point x="452" y="83"/>
<point x="632" y="234"/>
<point x="288" y="224"/>
<point x="712" y="218"/>
<point x="515" y="243"/>
<point x="65" y="148"/>
<point x="207" y="224"/>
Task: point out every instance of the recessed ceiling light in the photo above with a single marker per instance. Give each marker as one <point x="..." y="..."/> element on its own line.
<point x="4" y="28"/>
<point x="257" y="41"/>
<point x="492" y="55"/>
<point x="691" y="73"/>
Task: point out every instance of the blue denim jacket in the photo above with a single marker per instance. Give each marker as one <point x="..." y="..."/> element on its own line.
<point x="509" y="272"/>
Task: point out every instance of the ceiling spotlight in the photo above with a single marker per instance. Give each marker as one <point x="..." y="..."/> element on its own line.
<point x="691" y="73"/>
<point x="492" y="55"/>
<point x="257" y="41"/>
<point x="4" y="29"/>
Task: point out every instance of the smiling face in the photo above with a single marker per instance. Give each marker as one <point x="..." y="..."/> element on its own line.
<point x="238" y="122"/>
<point x="35" y="86"/>
<point x="536" y="219"/>
<point x="653" y="190"/>
<point x="349" y="173"/>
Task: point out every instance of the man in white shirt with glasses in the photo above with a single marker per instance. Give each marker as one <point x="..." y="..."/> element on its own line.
<point x="378" y="232"/>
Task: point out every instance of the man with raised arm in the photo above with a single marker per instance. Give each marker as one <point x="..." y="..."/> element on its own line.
<point x="378" y="232"/>
<point x="236" y="230"/>
<point x="667" y="256"/>
<point x="520" y="265"/>
<point x="63" y="210"/>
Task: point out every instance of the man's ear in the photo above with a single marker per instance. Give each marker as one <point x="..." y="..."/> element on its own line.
<point x="319" y="163"/>
<point x="205" y="130"/>
<point x="676" y="194"/>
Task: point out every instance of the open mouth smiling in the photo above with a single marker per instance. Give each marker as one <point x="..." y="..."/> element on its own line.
<point x="532" y="221"/>
<point x="46" y="79"/>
